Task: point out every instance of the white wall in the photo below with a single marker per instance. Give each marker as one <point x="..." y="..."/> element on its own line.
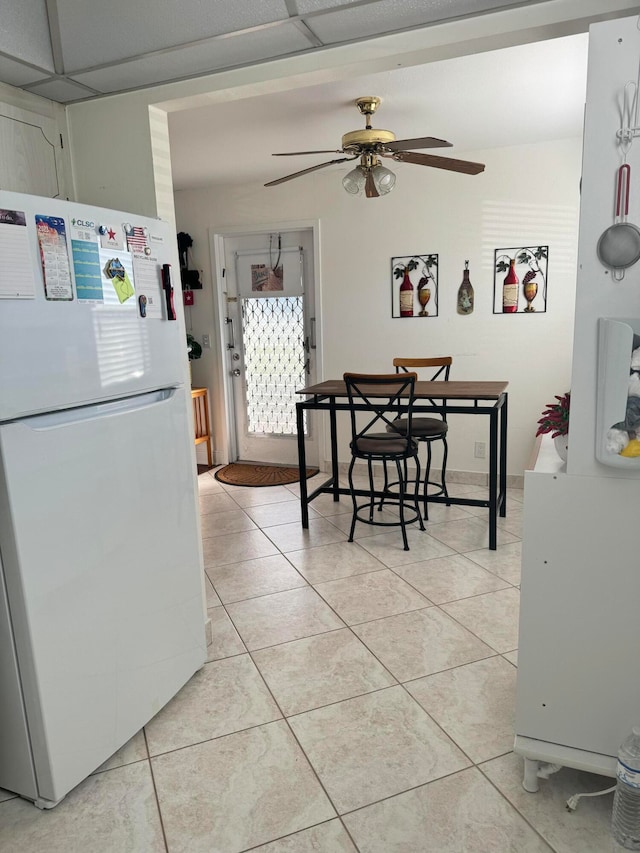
<point x="528" y="195"/>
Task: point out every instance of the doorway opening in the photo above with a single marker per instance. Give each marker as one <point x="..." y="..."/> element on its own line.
<point x="266" y="284"/>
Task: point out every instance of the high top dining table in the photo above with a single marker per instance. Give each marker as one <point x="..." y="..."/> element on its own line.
<point x="468" y="398"/>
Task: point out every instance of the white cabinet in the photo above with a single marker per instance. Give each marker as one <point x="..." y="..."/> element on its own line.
<point x="31" y="157"/>
<point x="578" y="664"/>
<point x="578" y="692"/>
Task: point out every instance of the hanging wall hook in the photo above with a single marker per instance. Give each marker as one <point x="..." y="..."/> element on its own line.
<point x="629" y="115"/>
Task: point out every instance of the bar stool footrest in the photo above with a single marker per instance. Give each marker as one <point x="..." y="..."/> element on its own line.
<point x="440" y="489"/>
<point x="411" y="513"/>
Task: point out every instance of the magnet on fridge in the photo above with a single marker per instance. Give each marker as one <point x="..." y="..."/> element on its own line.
<point x="102" y="230"/>
<point x="142" y="302"/>
<point x="114" y="269"/>
<point x="187" y="296"/>
<point x="128" y="228"/>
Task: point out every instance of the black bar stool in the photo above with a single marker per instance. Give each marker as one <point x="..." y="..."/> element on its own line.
<point x="428" y="429"/>
<point x="383" y="439"/>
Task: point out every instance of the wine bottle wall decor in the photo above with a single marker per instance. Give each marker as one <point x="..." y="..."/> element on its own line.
<point x="466" y="296"/>
<point x="414" y="286"/>
<point x="520" y="280"/>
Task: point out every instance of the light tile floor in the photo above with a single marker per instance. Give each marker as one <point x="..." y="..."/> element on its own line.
<point x="356" y="697"/>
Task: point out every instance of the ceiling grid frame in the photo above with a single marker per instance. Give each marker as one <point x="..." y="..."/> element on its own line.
<point x="190" y="57"/>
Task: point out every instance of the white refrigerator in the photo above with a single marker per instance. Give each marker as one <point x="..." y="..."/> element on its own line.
<point x="101" y="613"/>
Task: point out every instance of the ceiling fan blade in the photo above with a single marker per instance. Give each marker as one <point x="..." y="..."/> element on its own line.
<point x="306" y="171"/>
<point x="370" y="190"/>
<point x="467" y="167"/>
<point x="418" y="142"/>
<point x="296" y="153"/>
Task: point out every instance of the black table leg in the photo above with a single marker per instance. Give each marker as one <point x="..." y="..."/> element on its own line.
<point x="334" y="449"/>
<point x="302" y="465"/>
<point x="493" y="478"/>
<point x="503" y="457"/>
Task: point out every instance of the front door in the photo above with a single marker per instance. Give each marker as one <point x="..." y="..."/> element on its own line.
<point x="270" y="342"/>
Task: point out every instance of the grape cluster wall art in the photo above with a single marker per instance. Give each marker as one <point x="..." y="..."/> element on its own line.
<point x="414" y="286"/>
<point x="520" y="280"/>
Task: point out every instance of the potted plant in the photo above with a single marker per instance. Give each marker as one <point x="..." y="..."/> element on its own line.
<point x="555" y="420"/>
<point x="194" y="350"/>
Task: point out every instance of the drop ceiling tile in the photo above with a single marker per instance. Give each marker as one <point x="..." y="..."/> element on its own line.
<point x="187" y="62"/>
<point x="61" y="90"/>
<point x="98" y="33"/>
<point x="24" y="33"/>
<point x="17" y="74"/>
<point x="387" y="16"/>
<point x="304" y="7"/>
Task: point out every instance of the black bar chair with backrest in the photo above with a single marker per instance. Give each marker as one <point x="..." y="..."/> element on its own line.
<point x="378" y="397"/>
<point x="428" y="429"/>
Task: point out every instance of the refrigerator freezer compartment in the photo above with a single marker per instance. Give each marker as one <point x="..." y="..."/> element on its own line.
<point x="100" y="561"/>
<point x="57" y="353"/>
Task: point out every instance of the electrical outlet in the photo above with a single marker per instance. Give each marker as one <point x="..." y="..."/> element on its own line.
<point x="206" y="341"/>
<point x="480" y="450"/>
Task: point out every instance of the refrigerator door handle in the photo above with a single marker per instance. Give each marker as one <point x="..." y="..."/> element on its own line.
<point x="65" y="417"/>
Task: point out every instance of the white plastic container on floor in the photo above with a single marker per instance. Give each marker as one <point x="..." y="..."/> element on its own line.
<point x="625" y="824"/>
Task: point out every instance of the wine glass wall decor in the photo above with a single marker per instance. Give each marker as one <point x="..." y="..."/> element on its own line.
<point x="520" y="280"/>
<point x="414" y="286"/>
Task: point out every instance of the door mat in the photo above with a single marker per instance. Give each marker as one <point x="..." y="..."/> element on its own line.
<point x="202" y="469"/>
<point x="249" y="474"/>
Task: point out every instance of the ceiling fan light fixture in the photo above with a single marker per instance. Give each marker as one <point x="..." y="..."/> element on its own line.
<point x="354" y="181"/>
<point x="383" y="178"/>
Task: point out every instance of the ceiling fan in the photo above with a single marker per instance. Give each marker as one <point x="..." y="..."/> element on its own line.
<point x="369" y="145"/>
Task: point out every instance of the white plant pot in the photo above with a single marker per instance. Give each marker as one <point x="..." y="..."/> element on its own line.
<point x="562" y="446"/>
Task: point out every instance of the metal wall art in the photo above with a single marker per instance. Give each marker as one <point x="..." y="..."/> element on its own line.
<point x="414" y="286"/>
<point x="520" y="280"/>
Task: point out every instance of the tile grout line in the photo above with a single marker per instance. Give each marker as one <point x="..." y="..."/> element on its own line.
<point x="514" y="806"/>
<point x="155" y="789"/>
<point x="300" y="746"/>
<point x="457" y="621"/>
<point x="295" y="832"/>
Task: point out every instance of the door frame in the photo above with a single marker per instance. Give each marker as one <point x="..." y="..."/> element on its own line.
<point x="217" y="239"/>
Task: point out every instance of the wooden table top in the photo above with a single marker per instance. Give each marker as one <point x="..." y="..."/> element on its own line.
<point x="442" y="390"/>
